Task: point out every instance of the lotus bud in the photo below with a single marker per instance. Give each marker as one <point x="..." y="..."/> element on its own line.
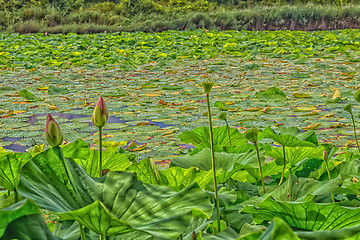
<point x="101" y="114"/>
<point x="348" y="108"/>
<point x="252" y="135"/>
<point x="325" y="155"/>
<point x="207" y="86"/>
<point x="222" y="116"/>
<point x="52" y="131"/>
<point x="357" y="96"/>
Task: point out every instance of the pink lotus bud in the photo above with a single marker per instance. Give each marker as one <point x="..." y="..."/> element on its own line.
<point x="101" y="114"/>
<point x="53" y="132"/>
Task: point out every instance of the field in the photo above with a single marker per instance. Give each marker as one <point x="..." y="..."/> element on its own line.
<point x="151" y="84"/>
<point x="286" y="167"/>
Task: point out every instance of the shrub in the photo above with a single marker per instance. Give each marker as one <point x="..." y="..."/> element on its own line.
<point x="27" y="27"/>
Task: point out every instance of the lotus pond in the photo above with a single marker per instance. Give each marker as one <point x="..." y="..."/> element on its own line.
<point x="293" y="86"/>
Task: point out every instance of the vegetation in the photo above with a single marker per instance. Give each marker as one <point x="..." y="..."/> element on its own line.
<point x="135" y="200"/>
<point x="79" y="16"/>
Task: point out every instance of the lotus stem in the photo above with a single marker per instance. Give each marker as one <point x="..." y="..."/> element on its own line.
<point x="353" y="122"/>
<point x="329" y="176"/>
<point x="259" y="163"/>
<point x="100" y="151"/>
<point x="283" y="171"/>
<point x="228" y="131"/>
<point x="213" y="161"/>
<point x="82" y="232"/>
<point x="16" y="195"/>
<point x="102" y="237"/>
<point x="68" y="174"/>
<point x="12" y="174"/>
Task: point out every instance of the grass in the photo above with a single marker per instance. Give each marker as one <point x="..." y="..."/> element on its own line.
<point x="101" y="17"/>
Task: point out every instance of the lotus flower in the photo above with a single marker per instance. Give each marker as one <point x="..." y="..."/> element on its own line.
<point x="53" y="132"/>
<point x="101" y="114"/>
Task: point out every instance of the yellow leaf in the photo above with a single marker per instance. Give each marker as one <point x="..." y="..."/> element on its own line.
<point x="301" y="95"/>
<point x="312" y="126"/>
<point x="337" y="94"/>
<point x="152" y="95"/>
<point x="42" y="88"/>
<point x="305" y="108"/>
<point x="253" y="109"/>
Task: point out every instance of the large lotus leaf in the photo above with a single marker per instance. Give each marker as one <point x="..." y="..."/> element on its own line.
<point x="147" y="172"/>
<point x="242" y="148"/>
<point x="295" y="154"/>
<point x="350" y="233"/>
<point x="123" y="204"/>
<point x="279" y="230"/>
<point x="111" y="159"/>
<point x="221" y="137"/>
<point x="118" y="196"/>
<point x="304" y="189"/>
<point x="252" y="174"/>
<point x="77" y="150"/>
<point x="290" y="137"/>
<point x="223" y="160"/>
<point x="10" y="165"/>
<point x="175" y="178"/>
<point x="68" y="230"/>
<point x="18" y="210"/>
<point x="271" y="94"/>
<point x="27" y="227"/>
<point x="44" y="180"/>
<point x="305" y="215"/>
<point x="89" y="159"/>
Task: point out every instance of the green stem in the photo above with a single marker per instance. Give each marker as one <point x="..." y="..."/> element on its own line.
<point x="283" y="171"/>
<point x="102" y="237"/>
<point x="16" y="195"/>
<point x="68" y="174"/>
<point x="328" y="172"/>
<point x="213" y="162"/>
<point x="82" y="232"/>
<point x="100" y="152"/>
<point x="353" y="121"/>
<point x="259" y="163"/>
<point x="228" y="130"/>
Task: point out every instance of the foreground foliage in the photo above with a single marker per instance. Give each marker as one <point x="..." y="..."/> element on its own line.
<point x="194" y="198"/>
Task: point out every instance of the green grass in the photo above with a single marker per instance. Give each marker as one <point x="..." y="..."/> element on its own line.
<point x="112" y="17"/>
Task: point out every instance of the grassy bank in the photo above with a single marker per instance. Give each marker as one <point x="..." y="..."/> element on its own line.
<point x="153" y="17"/>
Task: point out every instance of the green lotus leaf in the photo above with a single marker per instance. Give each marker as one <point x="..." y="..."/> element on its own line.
<point x="119" y="200"/>
<point x="200" y="134"/>
<point x="89" y="159"/>
<point x="124" y="204"/>
<point x="29" y="96"/>
<point x="271" y="94"/>
<point x="16" y="211"/>
<point x="304" y="189"/>
<point x="350" y="233"/>
<point x="223" y="160"/>
<point x="26" y="227"/>
<point x="242" y="148"/>
<point x="10" y="166"/>
<point x="305" y="215"/>
<point x="295" y="154"/>
<point x="279" y="230"/>
<point x="290" y="137"/>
